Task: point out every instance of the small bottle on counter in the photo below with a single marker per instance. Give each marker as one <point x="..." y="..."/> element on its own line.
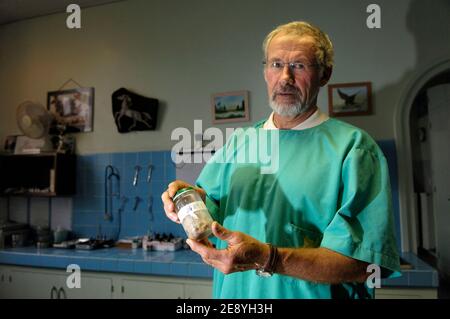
<point x="192" y="213"/>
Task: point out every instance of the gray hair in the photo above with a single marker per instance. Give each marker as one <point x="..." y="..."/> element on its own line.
<point x="323" y="45"/>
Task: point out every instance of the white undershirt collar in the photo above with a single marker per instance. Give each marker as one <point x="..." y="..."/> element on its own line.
<point x="315" y="119"/>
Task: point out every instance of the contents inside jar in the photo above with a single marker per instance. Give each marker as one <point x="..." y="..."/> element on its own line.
<point x="192" y="213"/>
<point x="197" y="226"/>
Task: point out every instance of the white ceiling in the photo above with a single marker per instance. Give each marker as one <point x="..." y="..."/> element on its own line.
<point x="15" y="10"/>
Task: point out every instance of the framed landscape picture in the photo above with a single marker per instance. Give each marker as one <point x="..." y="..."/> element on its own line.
<point x="346" y="99"/>
<point x="230" y="107"/>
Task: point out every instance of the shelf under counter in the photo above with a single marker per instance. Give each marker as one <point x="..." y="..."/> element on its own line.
<point x="50" y="174"/>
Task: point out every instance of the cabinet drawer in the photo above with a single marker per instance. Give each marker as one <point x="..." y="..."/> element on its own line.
<point x="138" y="289"/>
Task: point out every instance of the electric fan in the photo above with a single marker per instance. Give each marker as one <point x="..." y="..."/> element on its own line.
<point x="34" y="121"/>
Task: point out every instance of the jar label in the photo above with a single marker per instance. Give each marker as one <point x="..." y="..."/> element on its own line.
<point x="190" y="209"/>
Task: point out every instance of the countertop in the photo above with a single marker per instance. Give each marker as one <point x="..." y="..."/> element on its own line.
<point x="422" y="275"/>
<point x="181" y="263"/>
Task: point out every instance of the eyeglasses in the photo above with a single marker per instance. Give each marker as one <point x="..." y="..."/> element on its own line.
<point x="295" y="67"/>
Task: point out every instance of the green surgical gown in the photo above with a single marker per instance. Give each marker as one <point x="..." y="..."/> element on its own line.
<point x="331" y="189"/>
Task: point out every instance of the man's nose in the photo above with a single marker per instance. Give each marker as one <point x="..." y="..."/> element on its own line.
<point x="287" y="75"/>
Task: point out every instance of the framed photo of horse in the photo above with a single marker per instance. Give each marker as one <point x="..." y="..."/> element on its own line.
<point x="72" y="109"/>
<point x="347" y="99"/>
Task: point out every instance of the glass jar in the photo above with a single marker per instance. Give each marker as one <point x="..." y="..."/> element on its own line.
<point x="192" y="213"/>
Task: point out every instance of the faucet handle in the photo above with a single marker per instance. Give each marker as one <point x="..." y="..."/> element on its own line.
<point x="149" y="174"/>
<point x="137" y="199"/>
<point x="137" y="169"/>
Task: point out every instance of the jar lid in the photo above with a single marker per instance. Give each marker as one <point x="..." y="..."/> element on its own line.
<point x="181" y="191"/>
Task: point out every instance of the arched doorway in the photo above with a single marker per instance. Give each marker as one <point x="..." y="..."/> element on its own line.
<point x="411" y="118"/>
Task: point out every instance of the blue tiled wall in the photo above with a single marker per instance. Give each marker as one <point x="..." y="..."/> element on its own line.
<point x="89" y="203"/>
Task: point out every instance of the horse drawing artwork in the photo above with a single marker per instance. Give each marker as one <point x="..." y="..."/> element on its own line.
<point x="136" y="116"/>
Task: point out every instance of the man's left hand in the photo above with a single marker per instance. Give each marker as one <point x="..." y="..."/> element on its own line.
<point x="242" y="253"/>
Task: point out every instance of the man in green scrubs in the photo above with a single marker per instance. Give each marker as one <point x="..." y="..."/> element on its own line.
<point x="310" y="228"/>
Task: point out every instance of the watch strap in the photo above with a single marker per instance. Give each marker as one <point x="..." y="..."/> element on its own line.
<point x="269" y="267"/>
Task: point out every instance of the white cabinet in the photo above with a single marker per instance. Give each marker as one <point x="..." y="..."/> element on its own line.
<point x="406" y="293"/>
<point x="34" y="285"/>
<point x="93" y="286"/>
<point x="198" y="290"/>
<point x="5" y="279"/>
<point x="158" y="287"/>
<point x="150" y="289"/>
<point x="41" y="283"/>
<point x="20" y="282"/>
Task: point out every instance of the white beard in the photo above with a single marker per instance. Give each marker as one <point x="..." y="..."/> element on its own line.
<point x="289" y="110"/>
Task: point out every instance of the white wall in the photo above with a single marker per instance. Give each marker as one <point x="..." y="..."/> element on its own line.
<point x="181" y="52"/>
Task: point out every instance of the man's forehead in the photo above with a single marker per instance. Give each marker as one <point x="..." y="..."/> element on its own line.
<point x="288" y="42"/>
<point x="292" y="40"/>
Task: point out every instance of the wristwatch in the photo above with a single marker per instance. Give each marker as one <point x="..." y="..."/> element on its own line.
<point x="268" y="269"/>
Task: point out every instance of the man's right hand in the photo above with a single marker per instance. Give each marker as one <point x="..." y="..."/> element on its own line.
<point x="166" y="197"/>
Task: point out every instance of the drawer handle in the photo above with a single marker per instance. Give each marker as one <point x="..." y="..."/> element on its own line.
<point x="52" y="291"/>
<point x="61" y="293"/>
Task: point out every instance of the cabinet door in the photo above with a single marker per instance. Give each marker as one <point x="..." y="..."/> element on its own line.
<point x="32" y="284"/>
<point x="405" y="293"/>
<point x="151" y="289"/>
<point x="5" y="279"/>
<point x="198" y="291"/>
<point x="92" y="287"/>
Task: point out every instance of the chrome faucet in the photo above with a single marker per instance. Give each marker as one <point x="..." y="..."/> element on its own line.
<point x="110" y="173"/>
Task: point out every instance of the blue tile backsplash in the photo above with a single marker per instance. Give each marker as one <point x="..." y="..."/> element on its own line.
<point x="89" y="202"/>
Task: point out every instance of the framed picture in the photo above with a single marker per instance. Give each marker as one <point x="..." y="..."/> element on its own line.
<point x="72" y="108"/>
<point x="10" y="143"/>
<point x="230" y="107"/>
<point x="347" y="99"/>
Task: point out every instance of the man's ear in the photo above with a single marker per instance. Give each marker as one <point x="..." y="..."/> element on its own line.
<point x="326" y="75"/>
